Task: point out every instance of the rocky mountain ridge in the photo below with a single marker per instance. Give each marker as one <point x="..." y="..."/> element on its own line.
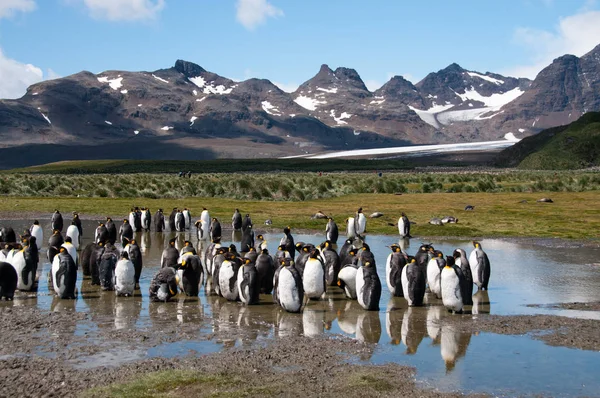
<point x="189" y="107"/>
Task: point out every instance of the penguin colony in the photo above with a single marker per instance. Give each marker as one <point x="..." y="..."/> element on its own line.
<point x="293" y="275"/>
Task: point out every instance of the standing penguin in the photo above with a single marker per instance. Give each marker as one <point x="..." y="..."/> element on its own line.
<point x="137" y="225"/>
<point x="146" y="219"/>
<point x="135" y="256"/>
<point x="331" y="230"/>
<point x="187" y="216"/>
<point x="57" y="221"/>
<point x="164" y="285"/>
<point x="205" y="218"/>
<point x="124" y="276"/>
<point x="108" y="262"/>
<point x="170" y="255"/>
<point x="413" y="283"/>
<point x="345" y="249"/>
<point x="347" y="275"/>
<point x="85" y="257"/>
<point x="246" y="222"/>
<point x="159" y="221"/>
<point x="404" y="226"/>
<point x="54" y="243"/>
<point x="288" y="287"/>
<point x="396" y="261"/>
<point x="77" y="222"/>
<point x="68" y="244"/>
<point x="133" y="220"/>
<point x="288" y="240"/>
<point x="360" y="222"/>
<point x="351" y="228"/>
<point x="228" y="272"/>
<point x="8" y="281"/>
<point x="215" y="230"/>
<point x="236" y="220"/>
<point x="260" y="243"/>
<point x="460" y="259"/>
<point x="95" y="259"/>
<point x="248" y="283"/>
<point x="313" y="277"/>
<point x="368" y="286"/>
<point x="247" y="239"/>
<point x="265" y="267"/>
<point x="179" y="222"/>
<point x="73" y="233"/>
<point x="452" y="282"/>
<point x="478" y="259"/>
<point x="203" y="229"/>
<point x="7" y="235"/>
<point x="64" y="275"/>
<point x="125" y="232"/>
<point x="434" y="270"/>
<point x="37" y="231"/>
<point x="26" y="266"/>
<point x="189" y="274"/>
<point x="101" y="234"/>
<point x="172" y="219"/>
<point x="112" y="230"/>
<point x="332" y="262"/>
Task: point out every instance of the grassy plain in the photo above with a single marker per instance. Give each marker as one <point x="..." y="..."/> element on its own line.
<point x="573" y="215"/>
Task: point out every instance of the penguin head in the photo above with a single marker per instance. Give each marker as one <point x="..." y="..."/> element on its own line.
<point x="456" y="254"/>
<point x="199" y="222"/>
<point x="125" y="221"/>
<point x="280" y="248"/>
<point x="287" y="230"/>
<point x="367" y="264"/>
<point x="100" y="244"/>
<point x="395" y="248"/>
<point x="476" y="244"/>
<point x="187" y="243"/>
<point x="327" y="244"/>
<point x="298" y="246"/>
<point x="108" y="219"/>
<point x="264" y="251"/>
<point x="36" y="222"/>
<point x="124" y="255"/>
<point x="449" y="261"/>
<point x="315" y="253"/>
<point x="247" y="261"/>
<point x="352" y="253"/>
<point x="56" y="232"/>
<point x="402" y="214"/>
<point x="411" y="259"/>
<point x="439" y="254"/>
<point x="252" y="250"/>
<point x="366" y="247"/>
<point x="132" y="242"/>
<point x="183" y="262"/>
<point x="232" y="248"/>
<point x="172" y="242"/>
<point x="101" y="224"/>
<point x="62" y="250"/>
<point x="68" y="239"/>
<point x="260" y="237"/>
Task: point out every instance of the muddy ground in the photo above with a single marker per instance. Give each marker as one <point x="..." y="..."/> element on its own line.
<point x="39" y="352"/>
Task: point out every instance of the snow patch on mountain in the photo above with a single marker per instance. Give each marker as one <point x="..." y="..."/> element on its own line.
<point x="270" y="109"/>
<point x="465" y="115"/>
<point x="198" y="81"/>
<point x="487" y="78"/>
<point x="115" y="84"/>
<point x="328" y="90"/>
<point x="167" y="128"/>
<point x="494" y="100"/>
<point x="340" y="120"/>
<point x="46" y="117"/>
<point x="160" y="79"/>
<point x="192" y="120"/>
<point x="429" y="116"/>
<point x="210" y="88"/>
<point x="308" y="103"/>
<point x="511" y="137"/>
<point x="107" y="122"/>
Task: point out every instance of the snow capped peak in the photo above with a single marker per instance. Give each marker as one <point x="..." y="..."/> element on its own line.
<point x="115" y="83"/>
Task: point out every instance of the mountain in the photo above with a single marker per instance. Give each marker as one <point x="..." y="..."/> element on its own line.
<point x="187" y="112"/>
<point x="573" y="146"/>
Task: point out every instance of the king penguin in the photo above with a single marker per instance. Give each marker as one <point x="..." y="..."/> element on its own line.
<point x="236" y="220"/>
<point x="452" y="283"/>
<point x="8" y="281"/>
<point x="404" y="226"/>
<point x="190" y="274"/>
<point x="54" y="243"/>
<point x="248" y="283"/>
<point x="288" y="240"/>
<point x="73" y="233"/>
<point x="434" y="270"/>
<point x="163" y="285"/>
<point x="289" y="288"/>
<point x="37" y="231"/>
<point x="313" y="277"/>
<point x="265" y="266"/>
<point x="332" y="262"/>
<point x="480" y="264"/>
<point x="331" y="230"/>
<point x="57" y="221"/>
<point x="368" y="286"/>
<point x="460" y="259"/>
<point x="135" y="256"/>
<point x="361" y="222"/>
<point x="64" y="275"/>
<point x="413" y="283"/>
<point x="124" y="276"/>
<point x="396" y="261"/>
<point x="228" y="272"/>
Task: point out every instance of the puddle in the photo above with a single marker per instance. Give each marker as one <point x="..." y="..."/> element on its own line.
<point x="445" y="358"/>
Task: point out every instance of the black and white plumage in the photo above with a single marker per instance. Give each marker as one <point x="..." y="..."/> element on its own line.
<point x="288" y="240"/>
<point x="396" y="261"/>
<point x="25" y="263"/>
<point x="124" y="282"/>
<point x="125" y="233"/>
<point x="215" y="230"/>
<point x="179" y="222"/>
<point x="404" y="226"/>
<point x="73" y="233"/>
<point x="228" y="272"/>
<point x="289" y="288"/>
<point x="331" y="230"/>
<point x="365" y="254"/>
<point x="252" y="254"/>
<point x="236" y="220"/>
<point x="413" y="283"/>
<point x="135" y="256"/>
<point x="302" y="256"/>
<point x="112" y="230"/>
<point x="265" y="266"/>
<point x="170" y="255"/>
<point x="331" y="260"/>
<point x="172" y="219"/>
<point x="246" y="222"/>
<point x="460" y="259"/>
<point x="146" y="219"/>
<point x="64" y="275"/>
<point x="347" y="279"/>
<point x="57" y="221"/>
<point x="7" y="235"/>
<point x="313" y="276"/>
<point x="101" y="233"/>
<point x="351" y="232"/>
<point x="164" y="285"/>
<point x="345" y="249"/>
<point x="248" y="283"/>
<point x="247" y="239"/>
<point x="71" y="249"/>
<point x="360" y="222"/>
<point x="217" y="260"/>
<point x="480" y="265"/>
<point x="108" y="263"/>
<point x="368" y="286"/>
<point x="54" y="243"/>
<point x="8" y="281"/>
<point x="95" y="258"/>
<point x="189" y="274"/>
<point x="85" y="257"/>
<point x="132" y="220"/>
<point x="452" y="282"/>
<point x="187" y="217"/>
<point x="159" y="221"/>
<point x="260" y="243"/>
<point x="434" y="270"/>
<point x="37" y="231"/>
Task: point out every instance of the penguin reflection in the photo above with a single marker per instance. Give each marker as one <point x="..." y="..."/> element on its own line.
<point x="127" y="311"/>
<point x="368" y="327"/>
<point x="189" y="309"/>
<point x="454" y="343"/>
<point x="435" y="312"/>
<point x="481" y="302"/>
<point x="393" y="319"/>
<point x="348" y="317"/>
<point x="314" y="318"/>
<point x="236" y="235"/>
<point x="288" y="324"/>
<point x="414" y="329"/>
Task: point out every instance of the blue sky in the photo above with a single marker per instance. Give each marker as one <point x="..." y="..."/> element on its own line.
<point x="286" y="41"/>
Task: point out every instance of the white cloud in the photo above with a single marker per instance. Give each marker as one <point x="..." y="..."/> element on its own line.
<point x="16" y="77"/>
<point x="251" y="13"/>
<point x="121" y="10"/>
<point x="287" y="87"/>
<point x="576" y="34"/>
<point x="8" y="8"/>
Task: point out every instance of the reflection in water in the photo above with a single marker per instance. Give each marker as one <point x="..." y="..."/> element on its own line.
<point x="454" y="345"/>
<point x="414" y="329"/>
<point x="288" y="324"/>
<point x="393" y="319"/>
<point x="127" y="311"/>
<point x="236" y="236"/>
<point x="348" y="316"/>
<point x="368" y="327"/>
<point x="481" y="302"/>
<point x="434" y="315"/>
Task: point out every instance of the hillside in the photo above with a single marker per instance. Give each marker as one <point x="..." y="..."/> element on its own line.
<point x="573" y="146"/>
